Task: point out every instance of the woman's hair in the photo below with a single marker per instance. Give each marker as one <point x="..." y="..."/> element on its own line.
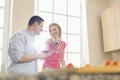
<point x="57" y="25"/>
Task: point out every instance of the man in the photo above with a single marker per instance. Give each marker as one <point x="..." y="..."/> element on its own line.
<point x="22" y="50"/>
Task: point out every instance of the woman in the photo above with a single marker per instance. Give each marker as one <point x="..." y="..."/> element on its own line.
<point x="56" y="60"/>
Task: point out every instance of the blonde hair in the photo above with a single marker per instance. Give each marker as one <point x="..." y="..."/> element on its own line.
<point x="57" y="25"/>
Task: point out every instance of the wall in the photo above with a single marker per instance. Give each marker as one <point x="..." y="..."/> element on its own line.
<point x="112" y="2"/>
<point x="22" y="11"/>
<point x="94" y="9"/>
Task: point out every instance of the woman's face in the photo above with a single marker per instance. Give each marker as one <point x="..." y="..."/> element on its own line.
<point x="54" y="31"/>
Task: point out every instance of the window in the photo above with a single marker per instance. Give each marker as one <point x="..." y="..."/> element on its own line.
<point x="68" y="16"/>
<point x="2" y="10"/>
<point x="4" y="22"/>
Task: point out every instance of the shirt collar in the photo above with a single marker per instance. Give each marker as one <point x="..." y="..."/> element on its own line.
<point x="30" y="33"/>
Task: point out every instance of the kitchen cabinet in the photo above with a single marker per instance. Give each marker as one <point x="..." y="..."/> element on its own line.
<point x="110" y="19"/>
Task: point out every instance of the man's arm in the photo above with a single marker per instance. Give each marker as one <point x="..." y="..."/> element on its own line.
<point x="31" y="57"/>
<point x="16" y="50"/>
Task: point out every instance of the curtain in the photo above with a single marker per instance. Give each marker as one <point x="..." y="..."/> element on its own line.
<point x="84" y="35"/>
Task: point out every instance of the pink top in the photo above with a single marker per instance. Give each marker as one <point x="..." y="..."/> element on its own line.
<point x="54" y="60"/>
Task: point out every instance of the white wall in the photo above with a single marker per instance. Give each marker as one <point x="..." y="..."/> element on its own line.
<point x="94" y="9"/>
<point x="112" y="2"/>
<point x="22" y="11"/>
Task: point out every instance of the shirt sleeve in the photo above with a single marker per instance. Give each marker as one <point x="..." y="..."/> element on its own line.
<point x="16" y="47"/>
<point x="64" y="44"/>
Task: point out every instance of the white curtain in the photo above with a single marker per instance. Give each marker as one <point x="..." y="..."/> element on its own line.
<point x="84" y="35"/>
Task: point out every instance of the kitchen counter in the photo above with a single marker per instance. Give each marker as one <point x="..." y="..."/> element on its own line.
<point x="83" y="73"/>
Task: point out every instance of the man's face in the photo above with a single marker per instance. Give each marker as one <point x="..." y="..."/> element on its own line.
<point x="38" y="28"/>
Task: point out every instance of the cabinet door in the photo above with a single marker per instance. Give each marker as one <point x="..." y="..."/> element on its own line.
<point x="118" y="36"/>
<point x="108" y="19"/>
<point x="117" y="14"/>
<point x="109" y="38"/>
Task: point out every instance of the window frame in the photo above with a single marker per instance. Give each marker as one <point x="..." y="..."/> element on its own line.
<point x="65" y="33"/>
<point x="6" y="33"/>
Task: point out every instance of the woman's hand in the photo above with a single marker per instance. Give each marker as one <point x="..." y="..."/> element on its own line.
<point x="57" y="40"/>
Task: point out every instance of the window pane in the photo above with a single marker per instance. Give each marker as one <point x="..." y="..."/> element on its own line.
<point x="48" y="19"/>
<point x="2" y="2"/>
<point x="60" y="6"/>
<point x="64" y="37"/>
<point x="0" y="59"/>
<point x="74" y="7"/>
<point x="36" y="5"/>
<point x="73" y="43"/>
<point x="1" y="17"/>
<point x="74" y="59"/>
<point x="62" y="21"/>
<point x="67" y="15"/>
<point x="1" y="38"/>
<point x="41" y="39"/>
<point x="46" y="5"/>
<point x="74" y="25"/>
<point x="40" y="44"/>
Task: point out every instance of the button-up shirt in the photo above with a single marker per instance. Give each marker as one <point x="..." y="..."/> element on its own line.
<point x="21" y="43"/>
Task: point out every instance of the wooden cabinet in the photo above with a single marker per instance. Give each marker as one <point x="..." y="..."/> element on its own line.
<point x="111" y="28"/>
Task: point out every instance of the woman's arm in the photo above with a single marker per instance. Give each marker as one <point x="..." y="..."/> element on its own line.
<point x="63" y="60"/>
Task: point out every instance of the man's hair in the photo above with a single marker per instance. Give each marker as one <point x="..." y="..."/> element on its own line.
<point x="34" y="19"/>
